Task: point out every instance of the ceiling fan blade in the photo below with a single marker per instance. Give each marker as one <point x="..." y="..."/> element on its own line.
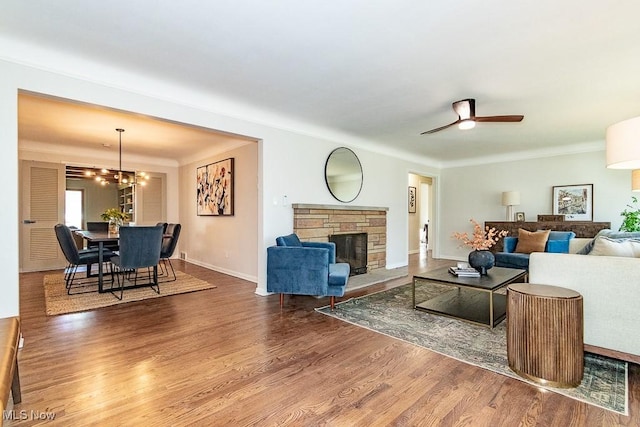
<point x="466" y="110"/>
<point x="512" y="118"/>
<point x="441" y="128"/>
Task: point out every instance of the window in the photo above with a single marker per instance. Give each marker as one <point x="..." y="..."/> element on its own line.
<point x="73" y="202"/>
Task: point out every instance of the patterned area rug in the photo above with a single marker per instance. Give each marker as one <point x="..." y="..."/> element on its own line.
<point x="58" y="302"/>
<point x="376" y="276"/>
<point x="389" y="312"/>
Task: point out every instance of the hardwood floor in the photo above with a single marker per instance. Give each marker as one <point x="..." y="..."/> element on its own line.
<point x="227" y="356"/>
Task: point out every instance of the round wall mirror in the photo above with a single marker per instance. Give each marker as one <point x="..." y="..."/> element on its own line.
<point x="343" y="174"/>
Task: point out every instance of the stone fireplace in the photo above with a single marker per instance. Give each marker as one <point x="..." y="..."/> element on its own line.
<point x="318" y="222"/>
<point x="352" y="249"/>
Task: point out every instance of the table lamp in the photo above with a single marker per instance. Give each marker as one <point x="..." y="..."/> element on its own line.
<point x="510" y="199"/>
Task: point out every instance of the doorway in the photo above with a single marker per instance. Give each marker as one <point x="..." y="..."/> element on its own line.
<point x="420" y="221"/>
<point x="424" y="195"/>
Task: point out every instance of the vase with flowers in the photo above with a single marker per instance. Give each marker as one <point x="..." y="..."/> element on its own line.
<point x="116" y="219"/>
<point x="482" y="239"/>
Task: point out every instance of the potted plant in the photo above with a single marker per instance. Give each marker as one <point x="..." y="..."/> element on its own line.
<point x="115" y="217"/>
<point x="480" y="258"/>
<point x="631" y="215"/>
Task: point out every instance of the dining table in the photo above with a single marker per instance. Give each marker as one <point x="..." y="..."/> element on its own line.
<point x="100" y="238"/>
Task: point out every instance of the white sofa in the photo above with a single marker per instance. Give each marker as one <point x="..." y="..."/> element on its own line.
<point x="610" y="287"/>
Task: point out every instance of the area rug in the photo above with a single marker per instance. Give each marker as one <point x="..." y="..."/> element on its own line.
<point x="389" y="312"/>
<point x="380" y="275"/>
<point x="58" y="302"/>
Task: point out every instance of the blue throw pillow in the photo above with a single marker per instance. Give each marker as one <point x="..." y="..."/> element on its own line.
<point x="290" y="240"/>
<point x="561" y="235"/>
<point x="510" y="244"/>
<point x="558" y="246"/>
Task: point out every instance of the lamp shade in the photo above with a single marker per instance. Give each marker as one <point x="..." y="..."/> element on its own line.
<point x="623" y="144"/>
<point x="635" y="180"/>
<point x="510" y="198"/>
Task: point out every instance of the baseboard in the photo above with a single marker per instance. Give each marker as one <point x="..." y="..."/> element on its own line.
<point x="262" y="292"/>
<point x="614" y="354"/>
<point x="239" y="275"/>
<point x="396" y="265"/>
<point x="454" y="257"/>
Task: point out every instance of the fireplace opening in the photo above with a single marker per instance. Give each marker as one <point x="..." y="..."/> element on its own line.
<point x="351" y="248"/>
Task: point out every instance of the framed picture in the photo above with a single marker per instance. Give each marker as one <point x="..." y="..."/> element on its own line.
<point x="412" y="199"/>
<point x="520" y="217"/>
<point x="575" y="202"/>
<point x="215" y="188"/>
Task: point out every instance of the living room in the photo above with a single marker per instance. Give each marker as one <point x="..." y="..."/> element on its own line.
<point x="287" y="162"/>
<point x="532" y="169"/>
<point x="533" y="174"/>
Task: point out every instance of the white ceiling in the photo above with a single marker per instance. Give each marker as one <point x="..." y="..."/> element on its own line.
<point x="372" y="71"/>
<point x="73" y="125"/>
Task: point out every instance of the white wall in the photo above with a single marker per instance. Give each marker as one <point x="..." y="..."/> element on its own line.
<point x="223" y="243"/>
<point x="9" y="255"/>
<point x="294" y="167"/>
<point x="289" y="164"/>
<point x="475" y="192"/>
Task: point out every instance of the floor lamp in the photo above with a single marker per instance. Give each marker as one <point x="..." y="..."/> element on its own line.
<point x="510" y="199"/>
<point x="635" y="180"/>
<point x="623" y="144"/>
<point x="623" y="148"/>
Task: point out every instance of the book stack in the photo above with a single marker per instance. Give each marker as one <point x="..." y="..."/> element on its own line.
<point x="464" y="272"/>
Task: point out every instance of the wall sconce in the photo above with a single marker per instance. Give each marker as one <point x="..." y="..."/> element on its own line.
<point x="623" y="144"/>
<point x="510" y="199"/>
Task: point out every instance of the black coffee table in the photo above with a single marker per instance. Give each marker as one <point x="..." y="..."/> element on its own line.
<point x="473" y="298"/>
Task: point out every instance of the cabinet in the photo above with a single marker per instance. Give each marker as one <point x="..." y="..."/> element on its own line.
<point x="581" y="228"/>
<point x="127" y="200"/>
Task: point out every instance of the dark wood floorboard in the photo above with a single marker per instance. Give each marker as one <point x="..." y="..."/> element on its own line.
<point x="227" y="357"/>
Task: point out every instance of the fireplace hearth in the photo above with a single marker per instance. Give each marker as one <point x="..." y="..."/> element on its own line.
<point x="351" y="248"/>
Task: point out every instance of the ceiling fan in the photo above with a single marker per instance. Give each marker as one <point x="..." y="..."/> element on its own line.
<point x="466" y="110"/>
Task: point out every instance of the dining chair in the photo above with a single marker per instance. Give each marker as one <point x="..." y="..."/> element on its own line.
<point x="169" y="242"/>
<point x="102" y="227"/>
<point x="76" y="257"/>
<point x="139" y="249"/>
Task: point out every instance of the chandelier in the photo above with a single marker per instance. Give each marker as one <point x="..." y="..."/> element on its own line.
<point x="124" y="178"/>
<point x="104" y="176"/>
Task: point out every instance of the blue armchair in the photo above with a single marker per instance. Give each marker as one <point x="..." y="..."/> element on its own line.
<point x="305" y="268"/>
<point x="557" y="242"/>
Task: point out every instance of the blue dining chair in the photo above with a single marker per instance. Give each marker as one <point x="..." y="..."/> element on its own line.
<point x="169" y="243"/>
<point x="139" y="249"/>
<point x="76" y="257"/>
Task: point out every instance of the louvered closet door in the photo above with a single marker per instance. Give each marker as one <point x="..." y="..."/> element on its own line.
<point x="42" y="207"/>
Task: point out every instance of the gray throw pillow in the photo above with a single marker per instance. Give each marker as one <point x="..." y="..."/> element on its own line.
<point x="605" y="246"/>
<point x="614" y="235"/>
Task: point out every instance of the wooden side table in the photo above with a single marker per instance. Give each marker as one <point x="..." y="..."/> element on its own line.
<point x="545" y="334"/>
